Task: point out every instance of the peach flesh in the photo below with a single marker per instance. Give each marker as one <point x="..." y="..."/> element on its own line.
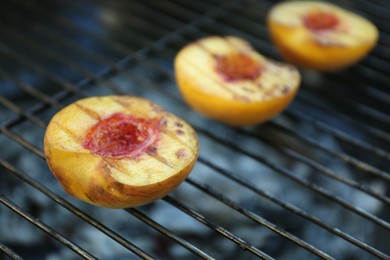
<point x="320" y="20"/>
<point x="237" y="66"/>
<point x="120" y="135"/>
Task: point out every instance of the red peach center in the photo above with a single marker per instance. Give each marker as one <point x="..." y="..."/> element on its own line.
<point x="237" y="66"/>
<point x="120" y="135"/>
<point x="320" y="20"/>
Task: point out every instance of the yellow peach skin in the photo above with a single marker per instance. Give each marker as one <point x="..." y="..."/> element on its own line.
<point x="326" y="46"/>
<point x="247" y="90"/>
<point x="110" y="179"/>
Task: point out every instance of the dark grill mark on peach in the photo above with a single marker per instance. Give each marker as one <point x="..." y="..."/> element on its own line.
<point x="180" y="153"/>
<point x="179" y="132"/>
<point x="156" y="108"/>
<point x="88" y="111"/>
<point x="152" y="150"/>
<point x="178" y="124"/>
<point x="112" y="164"/>
<point x="89" y="197"/>
<point x="285" y="89"/>
<point x="123" y="103"/>
<point x="241" y="98"/>
<point x="160" y="159"/>
<point x="174" y="137"/>
<point x="74" y="137"/>
<point x="164" y="122"/>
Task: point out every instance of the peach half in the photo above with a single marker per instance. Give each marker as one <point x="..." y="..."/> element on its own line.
<point x="225" y="79"/>
<point x="320" y="35"/>
<point x="119" y="151"/>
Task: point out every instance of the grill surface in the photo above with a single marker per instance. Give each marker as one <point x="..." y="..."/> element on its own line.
<point x="313" y="182"/>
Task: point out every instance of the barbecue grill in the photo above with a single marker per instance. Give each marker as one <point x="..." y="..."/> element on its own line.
<point x="311" y="183"/>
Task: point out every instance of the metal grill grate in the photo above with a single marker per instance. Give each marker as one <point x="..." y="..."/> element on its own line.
<point x="313" y="182"/>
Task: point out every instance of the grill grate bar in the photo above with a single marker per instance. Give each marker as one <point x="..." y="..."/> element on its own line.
<point x="331" y="174"/>
<point x="18" y="139"/>
<point x="375" y="10"/>
<point x="258" y="219"/>
<point x="301" y="181"/>
<point x="196" y="251"/>
<point x="39" y="70"/>
<point x="363" y="85"/>
<point x="316" y="166"/>
<point x="29" y="89"/>
<point x="39" y="10"/>
<point x="377" y="64"/>
<point x="12" y="106"/>
<point x="9" y="252"/>
<point x="246" y="183"/>
<point x="243" y="244"/>
<point x="87" y="218"/>
<point x="45" y="228"/>
<point x="339" y="134"/>
<point x="46" y="32"/>
<point x="372" y="75"/>
<point x="384" y="136"/>
<point x="55" y="56"/>
<point x="364" y="167"/>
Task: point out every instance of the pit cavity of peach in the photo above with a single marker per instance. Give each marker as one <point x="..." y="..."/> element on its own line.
<point x="320" y="20"/>
<point x="237" y="66"/>
<point x="121" y="135"/>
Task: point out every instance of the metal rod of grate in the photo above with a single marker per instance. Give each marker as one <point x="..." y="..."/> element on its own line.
<point x="139" y="57"/>
<point x="45" y="228"/>
<point x="86" y="217"/>
<point x="9" y="252"/>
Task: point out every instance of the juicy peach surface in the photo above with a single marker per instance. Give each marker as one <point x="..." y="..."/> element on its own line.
<point x="119" y="151"/>
<point x="225" y="79"/>
<point x="320" y="35"/>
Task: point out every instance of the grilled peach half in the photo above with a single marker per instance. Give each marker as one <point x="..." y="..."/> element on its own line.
<point x="226" y="79"/>
<point x="319" y="35"/>
<point x="119" y="151"/>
